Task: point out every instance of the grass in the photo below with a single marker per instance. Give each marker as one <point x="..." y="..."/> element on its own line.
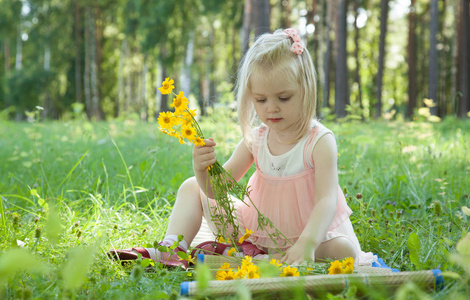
<point x="70" y="191"/>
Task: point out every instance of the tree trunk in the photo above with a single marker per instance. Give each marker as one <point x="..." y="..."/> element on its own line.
<point x="357" y="76"/>
<point x="95" y="98"/>
<point x="6" y="47"/>
<point x="464" y="84"/>
<point x="341" y="70"/>
<point x="433" y="67"/>
<point x="121" y="88"/>
<point x="286" y="9"/>
<point x="326" y="69"/>
<point x="144" y="114"/>
<point x="78" y="52"/>
<point x="383" y="34"/>
<point x="186" y="71"/>
<point x="19" y="49"/>
<point x="86" y="72"/>
<point x="247" y="13"/>
<point x="164" y="98"/>
<point x="411" y="53"/>
<point x="262" y="20"/>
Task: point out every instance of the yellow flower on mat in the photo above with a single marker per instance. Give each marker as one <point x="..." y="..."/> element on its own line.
<point x="188" y="132"/>
<point x="198" y="141"/>
<point x="225" y="275"/>
<point x="225" y="266"/>
<point x="335" y="268"/>
<point x="275" y="262"/>
<point x="180" y="103"/>
<point x="247" y="261"/>
<point x="347" y="262"/>
<point x="245" y="236"/>
<point x="167" y="86"/>
<point x="166" y="120"/>
<point x="252" y="272"/>
<point x="289" y="271"/>
<point x="231" y="251"/>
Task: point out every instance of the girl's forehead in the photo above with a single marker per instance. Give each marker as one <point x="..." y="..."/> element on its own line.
<point x="272" y="79"/>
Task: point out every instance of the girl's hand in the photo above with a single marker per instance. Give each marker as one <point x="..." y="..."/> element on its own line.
<point x="204" y="156"/>
<point x="299" y="253"/>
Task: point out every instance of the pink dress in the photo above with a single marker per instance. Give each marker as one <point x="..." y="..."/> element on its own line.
<point x="288" y="200"/>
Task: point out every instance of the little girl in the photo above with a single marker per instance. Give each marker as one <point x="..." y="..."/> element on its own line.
<point x="295" y="184"/>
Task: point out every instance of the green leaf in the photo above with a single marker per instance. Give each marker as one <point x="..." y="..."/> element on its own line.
<point x="163" y="249"/>
<point x="19" y="260"/>
<point x="146" y="262"/>
<point x="451" y="274"/>
<point x="414" y="246"/>
<point x="463" y="246"/>
<point x="53" y="225"/>
<point x="182" y="255"/>
<point x="466" y="210"/>
<point x="77" y="266"/>
<point x="203" y="276"/>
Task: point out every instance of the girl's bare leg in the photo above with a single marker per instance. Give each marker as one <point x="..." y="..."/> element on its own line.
<point x="337" y="248"/>
<point x="186" y="216"/>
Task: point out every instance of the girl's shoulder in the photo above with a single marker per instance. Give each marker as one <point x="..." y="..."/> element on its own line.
<point x="319" y="129"/>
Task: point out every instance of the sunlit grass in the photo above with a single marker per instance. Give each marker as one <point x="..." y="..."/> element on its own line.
<point x="113" y="186"/>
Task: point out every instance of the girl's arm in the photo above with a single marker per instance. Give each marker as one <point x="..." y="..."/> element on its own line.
<point x="326" y="195"/>
<point x="204" y="156"/>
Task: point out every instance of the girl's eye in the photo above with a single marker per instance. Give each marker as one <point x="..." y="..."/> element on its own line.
<point x="260" y="100"/>
<point x="284" y="98"/>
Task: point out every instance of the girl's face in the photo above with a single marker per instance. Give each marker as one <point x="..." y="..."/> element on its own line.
<point x="277" y="101"/>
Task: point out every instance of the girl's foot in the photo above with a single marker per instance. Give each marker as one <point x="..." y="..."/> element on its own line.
<point x="169" y="259"/>
<point x="216" y="248"/>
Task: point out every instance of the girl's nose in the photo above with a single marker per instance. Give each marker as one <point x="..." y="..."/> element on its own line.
<point x="273" y="107"/>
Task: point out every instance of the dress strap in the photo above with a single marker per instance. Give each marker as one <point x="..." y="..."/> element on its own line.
<point x="258" y="135"/>
<point x="308" y="159"/>
<point x="316" y="133"/>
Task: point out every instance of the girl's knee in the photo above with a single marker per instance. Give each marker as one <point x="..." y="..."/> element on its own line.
<point x="189" y="185"/>
<point x="337" y="248"/>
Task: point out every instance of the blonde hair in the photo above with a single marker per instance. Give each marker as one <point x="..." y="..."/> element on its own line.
<point x="272" y="52"/>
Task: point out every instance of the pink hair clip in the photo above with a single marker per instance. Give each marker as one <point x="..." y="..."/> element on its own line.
<point x="297" y="46"/>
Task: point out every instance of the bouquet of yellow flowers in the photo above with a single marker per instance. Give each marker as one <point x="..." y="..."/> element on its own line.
<point x="182" y="125"/>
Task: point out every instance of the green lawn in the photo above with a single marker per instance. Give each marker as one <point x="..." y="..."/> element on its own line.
<point x="72" y="190"/>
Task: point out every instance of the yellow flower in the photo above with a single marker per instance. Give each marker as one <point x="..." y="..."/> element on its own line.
<point x="347" y="262"/>
<point x="348" y="269"/>
<point x="335" y="268"/>
<point x="167" y="86"/>
<point x="225" y="266"/>
<point x="188" y="132"/>
<point x="180" y="103"/>
<point x="190" y="259"/>
<point x="209" y="167"/>
<point x="245" y="236"/>
<point x="247" y="261"/>
<point x="187" y="117"/>
<point x="225" y="275"/>
<point x="180" y="139"/>
<point x="231" y="251"/>
<point x="222" y="240"/>
<point x="289" y="271"/>
<point x="166" y="120"/>
<point x="275" y="262"/>
<point x="252" y="271"/>
<point x="199" y="142"/>
<point x="241" y="273"/>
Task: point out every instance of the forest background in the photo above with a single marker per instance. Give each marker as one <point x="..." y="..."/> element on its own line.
<point x="374" y="58"/>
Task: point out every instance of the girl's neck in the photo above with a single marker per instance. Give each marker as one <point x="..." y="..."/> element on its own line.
<point x="284" y="138"/>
